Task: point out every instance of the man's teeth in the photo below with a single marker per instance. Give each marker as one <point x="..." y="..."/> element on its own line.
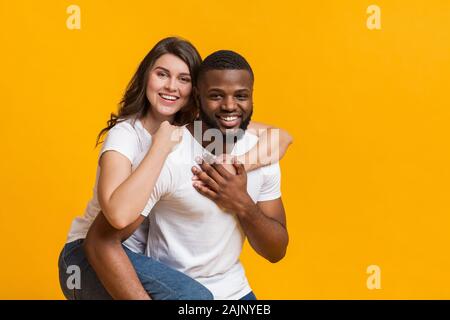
<point x="169" y="97"/>
<point x="229" y="118"/>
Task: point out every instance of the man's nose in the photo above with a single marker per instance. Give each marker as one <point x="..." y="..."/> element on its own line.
<point x="229" y="104"/>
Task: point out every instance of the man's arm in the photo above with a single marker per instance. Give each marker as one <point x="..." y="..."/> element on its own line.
<point x="265" y="227"/>
<point x="104" y="251"/>
<point x="264" y="223"/>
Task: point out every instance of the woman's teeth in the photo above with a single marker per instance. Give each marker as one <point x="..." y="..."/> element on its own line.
<point x="167" y="97"/>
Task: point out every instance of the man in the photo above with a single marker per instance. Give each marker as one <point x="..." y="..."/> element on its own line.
<point x="198" y="227"/>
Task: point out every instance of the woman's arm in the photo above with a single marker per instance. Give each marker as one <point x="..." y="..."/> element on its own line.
<point x="123" y="194"/>
<point x="104" y="251"/>
<point x="271" y="147"/>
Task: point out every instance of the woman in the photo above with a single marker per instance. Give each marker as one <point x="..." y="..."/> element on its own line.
<point x="157" y="101"/>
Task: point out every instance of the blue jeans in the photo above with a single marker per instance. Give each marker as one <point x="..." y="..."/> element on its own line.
<point x="160" y="281"/>
<point x="249" y="296"/>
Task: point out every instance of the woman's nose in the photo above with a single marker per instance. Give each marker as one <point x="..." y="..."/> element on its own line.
<point x="171" y="84"/>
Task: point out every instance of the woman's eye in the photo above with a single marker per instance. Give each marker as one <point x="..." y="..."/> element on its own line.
<point x="185" y="79"/>
<point x="214" y="96"/>
<point x="162" y="74"/>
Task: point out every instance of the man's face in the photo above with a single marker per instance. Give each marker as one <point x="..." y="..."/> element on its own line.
<point x="226" y="101"/>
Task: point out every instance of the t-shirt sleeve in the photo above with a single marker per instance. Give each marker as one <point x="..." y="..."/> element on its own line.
<point x="271" y="187"/>
<point x="123" y="139"/>
<point x="162" y="188"/>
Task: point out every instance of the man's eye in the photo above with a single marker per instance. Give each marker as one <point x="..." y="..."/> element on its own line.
<point x="242" y="97"/>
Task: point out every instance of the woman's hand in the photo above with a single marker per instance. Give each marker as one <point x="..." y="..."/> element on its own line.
<point x="226" y="161"/>
<point x="167" y="136"/>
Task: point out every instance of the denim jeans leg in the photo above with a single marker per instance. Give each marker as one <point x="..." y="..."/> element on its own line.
<point x="160" y="281"/>
<point x="164" y="283"/>
<point x="249" y="296"/>
<point x="72" y="256"/>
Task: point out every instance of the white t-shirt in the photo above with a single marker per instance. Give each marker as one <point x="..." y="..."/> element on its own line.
<point x="185" y="230"/>
<point x="190" y="233"/>
<point x="132" y="141"/>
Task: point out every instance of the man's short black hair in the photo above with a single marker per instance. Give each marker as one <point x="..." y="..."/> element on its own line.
<point x="224" y="60"/>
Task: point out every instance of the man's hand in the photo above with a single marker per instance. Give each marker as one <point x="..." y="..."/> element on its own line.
<point x="227" y="190"/>
<point x="263" y="223"/>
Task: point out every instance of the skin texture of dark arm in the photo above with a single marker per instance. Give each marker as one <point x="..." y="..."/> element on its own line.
<point x="104" y="251"/>
<point x="265" y="227"/>
<point x="264" y="223"/>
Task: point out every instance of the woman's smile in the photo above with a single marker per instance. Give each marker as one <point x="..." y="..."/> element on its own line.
<point x="168" y="99"/>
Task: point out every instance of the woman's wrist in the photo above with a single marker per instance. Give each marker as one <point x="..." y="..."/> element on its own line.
<point x="161" y="147"/>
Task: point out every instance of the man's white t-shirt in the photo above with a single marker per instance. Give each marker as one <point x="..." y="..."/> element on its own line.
<point x="185" y="230"/>
<point x="190" y="233"/>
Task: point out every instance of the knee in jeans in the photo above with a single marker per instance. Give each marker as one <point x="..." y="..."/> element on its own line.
<point x="205" y="294"/>
<point x="197" y="292"/>
<point x="202" y="294"/>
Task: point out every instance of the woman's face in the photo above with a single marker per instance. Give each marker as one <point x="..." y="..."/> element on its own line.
<point x="169" y="85"/>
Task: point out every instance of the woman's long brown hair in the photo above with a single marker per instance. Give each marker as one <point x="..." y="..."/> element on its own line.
<point x="135" y="104"/>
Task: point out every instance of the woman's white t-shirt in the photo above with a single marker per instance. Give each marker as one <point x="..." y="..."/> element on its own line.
<point x="132" y="140"/>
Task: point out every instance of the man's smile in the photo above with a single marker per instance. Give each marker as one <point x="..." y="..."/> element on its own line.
<point x="229" y="120"/>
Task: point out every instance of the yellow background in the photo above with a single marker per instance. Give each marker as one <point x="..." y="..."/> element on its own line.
<point x="367" y="180"/>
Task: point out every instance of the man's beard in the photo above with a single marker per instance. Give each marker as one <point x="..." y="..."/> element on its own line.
<point x="229" y="133"/>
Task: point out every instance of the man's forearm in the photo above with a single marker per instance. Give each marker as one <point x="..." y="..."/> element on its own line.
<point x="104" y="251"/>
<point x="266" y="235"/>
<point x="115" y="271"/>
